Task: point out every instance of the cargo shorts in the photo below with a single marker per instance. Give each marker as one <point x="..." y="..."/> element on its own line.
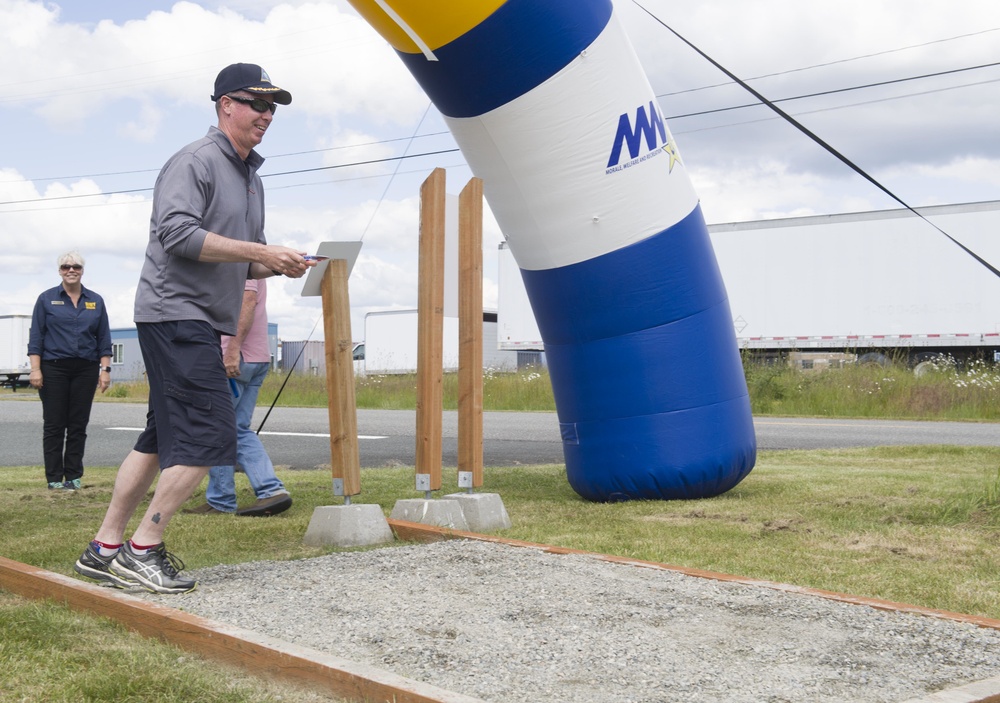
<point x="191" y="420"/>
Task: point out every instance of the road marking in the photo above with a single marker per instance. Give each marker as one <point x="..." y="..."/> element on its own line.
<point x="319" y="434"/>
<point x="281" y="434"/>
<point x="848" y="423"/>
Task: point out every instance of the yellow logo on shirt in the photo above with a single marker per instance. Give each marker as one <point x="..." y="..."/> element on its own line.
<point x="91" y="306"/>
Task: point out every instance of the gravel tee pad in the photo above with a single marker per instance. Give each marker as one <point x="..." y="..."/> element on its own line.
<point x="513" y="624"/>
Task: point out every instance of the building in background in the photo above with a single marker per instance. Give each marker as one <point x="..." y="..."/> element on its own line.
<point x="126" y="358"/>
<point x="391" y="343"/>
<point x="309" y="357"/>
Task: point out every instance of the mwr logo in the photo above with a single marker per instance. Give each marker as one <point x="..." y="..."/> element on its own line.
<point x="648" y="127"/>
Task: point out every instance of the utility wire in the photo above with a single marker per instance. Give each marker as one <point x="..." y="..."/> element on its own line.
<point x="269" y="157"/>
<point x="399" y="160"/>
<point x="265" y="175"/>
<point x="307" y="184"/>
<point x="834" y="91"/>
<point x="371" y="219"/>
<point x="410" y="139"/>
<point x="832" y="108"/>
<point x="454" y="150"/>
<point x="287" y="376"/>
<point x="832" y="63"/>
<point x="395" y="170"/>
<point x="802" y="128"/>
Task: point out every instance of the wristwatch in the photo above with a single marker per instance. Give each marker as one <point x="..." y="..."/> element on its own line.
<point x="106" y="369"/>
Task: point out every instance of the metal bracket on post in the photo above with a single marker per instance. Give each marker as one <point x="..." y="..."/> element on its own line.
<point x="338" y="490"/>
<point x="465" y="480"/>
<point x="424" y="482"/>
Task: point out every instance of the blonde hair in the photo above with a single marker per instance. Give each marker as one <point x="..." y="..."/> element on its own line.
<point x="70" y="257"/>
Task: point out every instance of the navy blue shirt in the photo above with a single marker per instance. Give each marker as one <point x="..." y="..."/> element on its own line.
<point x="61" y="331"/>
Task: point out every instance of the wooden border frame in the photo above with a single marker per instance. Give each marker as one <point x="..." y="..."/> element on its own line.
<point x="261" y="655"/>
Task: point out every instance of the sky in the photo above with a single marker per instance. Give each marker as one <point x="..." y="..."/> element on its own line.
<point x="98" y="94"/>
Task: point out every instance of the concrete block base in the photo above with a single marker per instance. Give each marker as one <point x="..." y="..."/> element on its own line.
<point x="348" y="526"/>
<point x="484" y="512"/>
<point x="440" y="513"/>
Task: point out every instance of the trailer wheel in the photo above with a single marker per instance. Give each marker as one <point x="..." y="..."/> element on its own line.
<point x="874" y="359"/>
<point x="928" y="362"/>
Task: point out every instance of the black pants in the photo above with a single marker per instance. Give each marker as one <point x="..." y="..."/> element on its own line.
<point x="67" y="393"/>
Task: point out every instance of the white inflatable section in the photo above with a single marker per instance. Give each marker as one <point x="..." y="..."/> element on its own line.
<point x="544" y="157"/>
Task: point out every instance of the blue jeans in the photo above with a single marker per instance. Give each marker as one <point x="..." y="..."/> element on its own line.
<point x="250" y="453"/>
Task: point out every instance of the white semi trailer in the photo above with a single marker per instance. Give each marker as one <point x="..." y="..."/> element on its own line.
<point x="869" y="285"/>
<point x="390" y="345"/>
<point x="14" y="364"/>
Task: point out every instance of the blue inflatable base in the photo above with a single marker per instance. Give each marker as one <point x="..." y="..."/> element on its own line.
<point x="645" y="369"/>
<point x="688" y="454"/>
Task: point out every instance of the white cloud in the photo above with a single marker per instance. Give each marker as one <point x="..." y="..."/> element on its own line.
<point x="95" y="107"/>
<point x="146" y="127"/>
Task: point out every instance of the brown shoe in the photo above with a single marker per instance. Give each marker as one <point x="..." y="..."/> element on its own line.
<point x="266" y="507"/>
<point x="202" y="509"/>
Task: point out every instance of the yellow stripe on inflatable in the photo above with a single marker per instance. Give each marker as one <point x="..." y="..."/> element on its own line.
<point x="436" y="22"/>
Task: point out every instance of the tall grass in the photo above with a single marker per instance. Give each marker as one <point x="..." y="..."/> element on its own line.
<point x="945" y="392"/>
<point x="525" y="390"/>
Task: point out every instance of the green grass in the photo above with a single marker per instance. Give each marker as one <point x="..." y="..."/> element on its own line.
<point x="862" y="391"/>
<point x="527" y="390"/>
<point x="49" y="653"/>
<point x="950" y="393"/>
<point x="914" y="525"/>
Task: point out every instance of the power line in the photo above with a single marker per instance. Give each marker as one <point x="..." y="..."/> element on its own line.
<point x="830" y="63"/>
<point x="271" y="189"/>
<point x="834" y="108"/>
<point x="393" y="176"/>
<point x="267" y="175"/>
<point x="834" y="91"/>
<point x="816" y="138"/>
<point x="410" y="139"/>
<point x="451" y="151"/>
<point x="269" y="157"/>
<point x="659" y="95"/>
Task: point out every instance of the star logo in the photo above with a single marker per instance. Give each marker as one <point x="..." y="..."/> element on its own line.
<point x="671" y="149"/>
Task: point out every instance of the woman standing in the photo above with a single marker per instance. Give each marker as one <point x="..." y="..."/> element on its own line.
<point x="69" y="346"/>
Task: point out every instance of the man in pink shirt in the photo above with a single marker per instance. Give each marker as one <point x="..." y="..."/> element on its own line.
<point x="247" y="358"/>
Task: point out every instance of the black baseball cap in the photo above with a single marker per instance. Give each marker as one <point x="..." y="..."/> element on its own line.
<point x="251" y="78"/>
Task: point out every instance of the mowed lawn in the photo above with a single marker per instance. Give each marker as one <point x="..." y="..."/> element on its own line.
<point x="913" y="525"/>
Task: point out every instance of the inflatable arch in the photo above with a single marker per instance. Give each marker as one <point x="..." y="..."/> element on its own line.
<point x="551" y="108"/>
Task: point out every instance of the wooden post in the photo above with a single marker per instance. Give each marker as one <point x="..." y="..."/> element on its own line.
<point x="430" y="331"/>
<point x="345" y="461"/>
<point x="470" y="335"/>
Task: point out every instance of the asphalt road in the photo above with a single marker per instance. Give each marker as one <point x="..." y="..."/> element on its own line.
<point x="299" y="437"/>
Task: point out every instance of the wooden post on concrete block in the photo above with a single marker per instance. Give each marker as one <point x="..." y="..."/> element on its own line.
<point x="430" y="332"/>
<point x="345" y="460"/>
<point x="470" y="335"/>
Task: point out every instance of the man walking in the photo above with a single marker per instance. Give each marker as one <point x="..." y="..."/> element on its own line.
<point x="207" y="225"/>
<point x="247" y="358"/>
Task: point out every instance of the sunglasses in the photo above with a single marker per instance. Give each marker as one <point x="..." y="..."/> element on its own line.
<point x="71" y="267"/>
<point x="256" y="104"/>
